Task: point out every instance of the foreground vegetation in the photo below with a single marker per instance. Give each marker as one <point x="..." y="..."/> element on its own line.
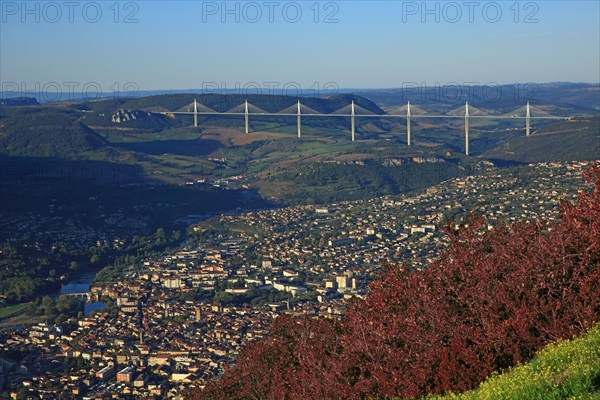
<point x="562" y="370"/>
<point x="491" y="301"/>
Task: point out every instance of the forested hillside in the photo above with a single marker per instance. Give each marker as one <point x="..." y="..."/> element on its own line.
<point x="46" y="132"/>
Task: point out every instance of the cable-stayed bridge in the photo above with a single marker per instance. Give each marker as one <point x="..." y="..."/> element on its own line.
<point x="354" y="111"/>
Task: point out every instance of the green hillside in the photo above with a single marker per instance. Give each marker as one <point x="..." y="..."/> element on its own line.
<point x="578" y="139"/>
<point x="562" y="370"/>
<point x="44" y="131"/>
<point x="334" y="180"/>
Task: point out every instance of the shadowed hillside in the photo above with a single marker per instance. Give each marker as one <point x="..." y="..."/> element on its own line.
<point x="45" y="132"/>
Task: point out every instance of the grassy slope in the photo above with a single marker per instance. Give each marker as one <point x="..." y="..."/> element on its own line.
<point x="561" y="141"/>
<point x="12" y="310"/>
<point x="562" y="370"/>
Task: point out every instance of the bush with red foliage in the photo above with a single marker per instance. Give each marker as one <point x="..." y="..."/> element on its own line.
<point x="492" y="300"/>
<point x="297" y="350"/>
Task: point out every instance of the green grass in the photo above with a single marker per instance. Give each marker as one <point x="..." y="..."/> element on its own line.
<point x="561" y="370"/>
<point x="9" y="311"/>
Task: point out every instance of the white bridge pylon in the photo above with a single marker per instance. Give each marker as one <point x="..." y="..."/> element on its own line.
<point x="354" y="111"/>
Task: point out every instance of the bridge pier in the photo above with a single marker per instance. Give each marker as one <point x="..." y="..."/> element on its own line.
<point x="408" y="123"/>
<point x="195" y="114"/>
<point x="299" y="120"/>
<point x="527" y="121"/>
<point x="84" y="296"/>
<point x="246" y="116"/>
<point x="352" y="120"/>
<point x="467" y="128"/>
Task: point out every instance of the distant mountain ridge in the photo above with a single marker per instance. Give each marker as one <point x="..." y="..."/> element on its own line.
<point x="18" y="102"/>
<point x="142" y="113"/>
<point x="566" y="97"/>
<point x="223" y="103"/>
<point x="550" y="92"/>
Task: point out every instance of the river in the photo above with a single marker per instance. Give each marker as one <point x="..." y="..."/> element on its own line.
<point x="82" y="284"/>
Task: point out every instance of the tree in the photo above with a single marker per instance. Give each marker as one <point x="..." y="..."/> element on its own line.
<point x="176" y="236"/>
<point x="23" y="393"/>
<point x="48" y="306"/>
<point x="160" y="237"/>
<point x="268" y="369"/>
<point x="67" y="305"/>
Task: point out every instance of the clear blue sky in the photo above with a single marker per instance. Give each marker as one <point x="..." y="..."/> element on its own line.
<point x="185" y="44"/>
